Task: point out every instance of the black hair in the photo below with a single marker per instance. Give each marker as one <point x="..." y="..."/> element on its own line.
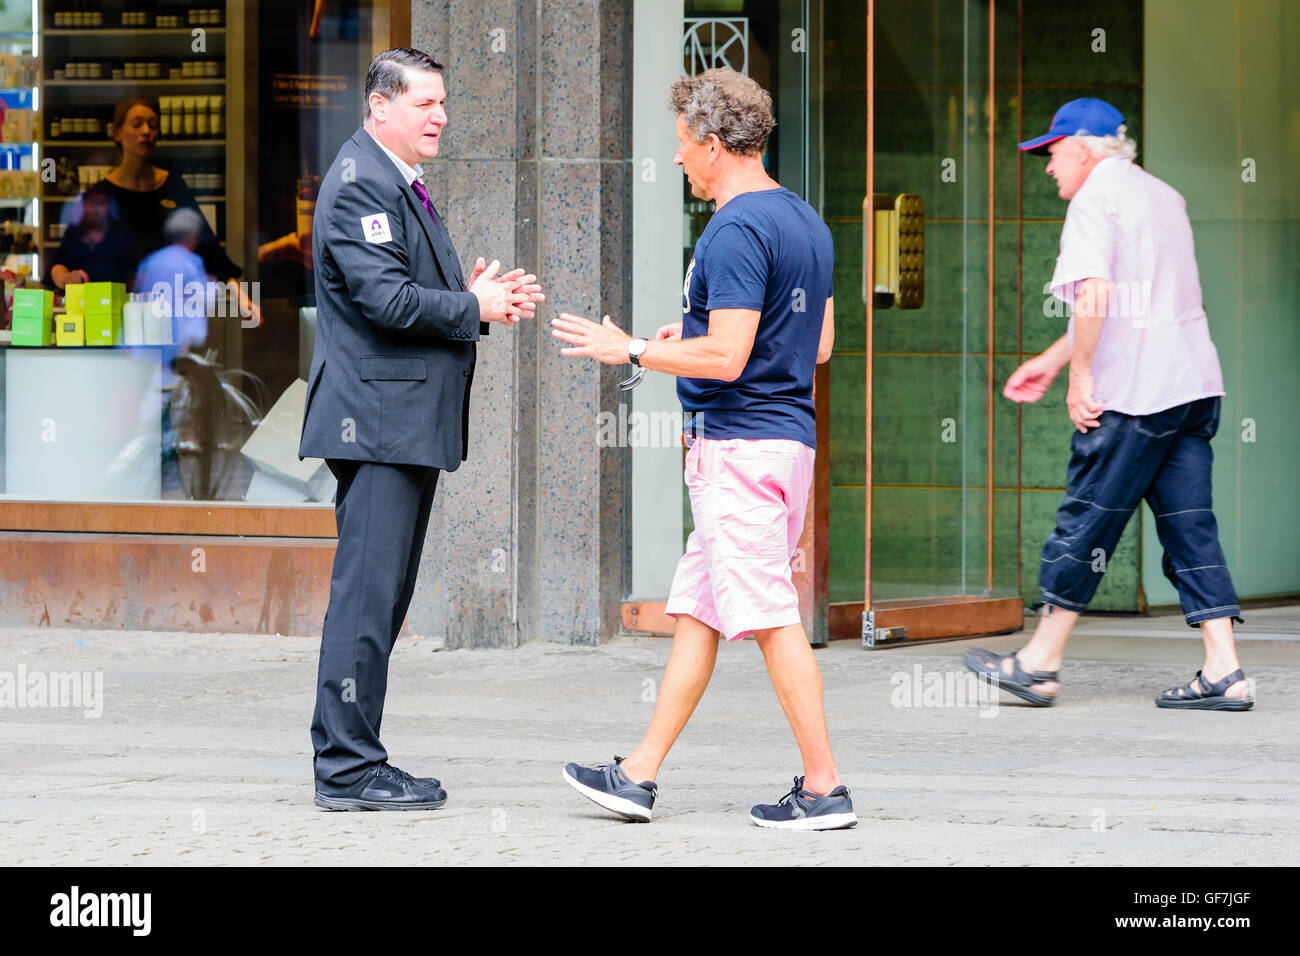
<point x="387" y="73"/>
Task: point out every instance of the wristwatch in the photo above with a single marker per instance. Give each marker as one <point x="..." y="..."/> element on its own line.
<point x="634" y="350"/>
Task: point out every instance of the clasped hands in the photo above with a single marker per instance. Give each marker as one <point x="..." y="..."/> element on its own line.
<point x="504" y="298"/>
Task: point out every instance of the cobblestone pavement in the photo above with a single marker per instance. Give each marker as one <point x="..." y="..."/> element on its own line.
<point x="202" y="756"/>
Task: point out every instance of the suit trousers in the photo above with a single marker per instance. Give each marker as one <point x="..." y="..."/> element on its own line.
<point x="382" y="513"/>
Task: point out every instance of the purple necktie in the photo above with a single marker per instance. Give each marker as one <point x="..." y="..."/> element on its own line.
<point x="424" y="198"/>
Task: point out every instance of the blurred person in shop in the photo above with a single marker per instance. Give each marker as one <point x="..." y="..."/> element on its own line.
<point x="175" y="275"/>
<point x="96" y="248"/>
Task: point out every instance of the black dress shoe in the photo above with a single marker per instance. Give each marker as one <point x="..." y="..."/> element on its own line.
<point x="383" y="788"/>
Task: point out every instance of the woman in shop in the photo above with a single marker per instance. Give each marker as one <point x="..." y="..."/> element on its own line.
<point x="145" y="195"/>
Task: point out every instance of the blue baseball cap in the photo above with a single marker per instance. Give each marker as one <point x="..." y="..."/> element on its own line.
<point x="1085" y="117"/>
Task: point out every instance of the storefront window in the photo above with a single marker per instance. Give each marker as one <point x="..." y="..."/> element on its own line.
<point x="160" y="163"/>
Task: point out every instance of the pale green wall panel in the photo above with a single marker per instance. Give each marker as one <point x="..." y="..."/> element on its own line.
<point x="1223" y="86"/>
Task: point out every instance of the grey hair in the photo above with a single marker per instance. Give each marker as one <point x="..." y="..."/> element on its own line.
<point x="1120" y="144"/>
<point x="183" y="223"/>
<point x="727" y="104"/>
<point x="387" y="73"/>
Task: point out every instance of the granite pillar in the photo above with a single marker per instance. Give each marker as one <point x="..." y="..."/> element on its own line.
<point x="526" y="538"/>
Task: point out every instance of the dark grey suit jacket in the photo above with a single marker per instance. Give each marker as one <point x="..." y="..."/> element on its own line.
<point x="395" y="329"/>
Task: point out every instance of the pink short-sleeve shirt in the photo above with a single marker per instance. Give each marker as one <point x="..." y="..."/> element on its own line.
<point x="1130" y="228"/>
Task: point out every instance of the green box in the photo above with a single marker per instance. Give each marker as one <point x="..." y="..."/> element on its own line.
<point x="74" y="298"/>
<point x="31" y="329"/>
<point x="103" y="328"/>
<point x="34" y="303"/>
<point x="105" y="296"/>
<point x="103" y="312"/>
<point x="70" y="329"/>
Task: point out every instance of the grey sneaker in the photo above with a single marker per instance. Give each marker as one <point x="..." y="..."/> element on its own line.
<point x="613" y="789"/>
<point x="802" y="809"/>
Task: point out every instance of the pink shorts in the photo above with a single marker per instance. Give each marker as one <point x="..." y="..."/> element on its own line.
<point x="748" y="497"/>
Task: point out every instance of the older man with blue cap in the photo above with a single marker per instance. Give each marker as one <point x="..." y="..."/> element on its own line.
<point x="1144" y="394"/>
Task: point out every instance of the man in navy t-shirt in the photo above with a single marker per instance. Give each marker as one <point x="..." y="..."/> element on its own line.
<point x="757" y="317"/>
<point x="769" y="252"/>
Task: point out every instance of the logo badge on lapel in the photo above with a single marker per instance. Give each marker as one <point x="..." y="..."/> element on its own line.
<point x="375" y="227"/>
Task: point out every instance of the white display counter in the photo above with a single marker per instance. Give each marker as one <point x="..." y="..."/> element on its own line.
<point x="83" y="424"/>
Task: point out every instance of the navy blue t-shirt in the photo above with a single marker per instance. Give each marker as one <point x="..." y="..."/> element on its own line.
<point x="768" y="251"/>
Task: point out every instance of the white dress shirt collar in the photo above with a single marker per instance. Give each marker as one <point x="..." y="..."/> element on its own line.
<point x="409" y="173"/>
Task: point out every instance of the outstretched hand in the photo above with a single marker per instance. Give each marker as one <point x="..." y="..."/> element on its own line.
<point x="1031" y="380"/>
<point x="604" y="341"/>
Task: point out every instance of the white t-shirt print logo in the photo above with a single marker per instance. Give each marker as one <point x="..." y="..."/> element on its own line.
<point x="686" y="288"/>
<point x="375" y="227"/>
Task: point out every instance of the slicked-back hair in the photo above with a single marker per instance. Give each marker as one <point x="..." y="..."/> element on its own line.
<point x="387" y="73"/>
<point x="728" y="104"/>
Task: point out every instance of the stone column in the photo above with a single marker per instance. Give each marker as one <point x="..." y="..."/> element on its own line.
<point x="526" y="538"/>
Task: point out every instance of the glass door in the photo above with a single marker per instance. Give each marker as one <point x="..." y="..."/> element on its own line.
<point x="915" y="334"/>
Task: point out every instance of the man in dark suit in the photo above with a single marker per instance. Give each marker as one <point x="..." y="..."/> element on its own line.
<point x="387" y="406"/>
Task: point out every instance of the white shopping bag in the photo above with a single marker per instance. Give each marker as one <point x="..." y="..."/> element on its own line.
<point x="273" y="447"/>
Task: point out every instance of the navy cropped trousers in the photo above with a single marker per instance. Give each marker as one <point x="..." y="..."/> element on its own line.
<point x="1164" y="458"/>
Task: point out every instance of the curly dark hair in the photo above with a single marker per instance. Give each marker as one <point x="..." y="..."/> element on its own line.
<point x="727" y="104"/>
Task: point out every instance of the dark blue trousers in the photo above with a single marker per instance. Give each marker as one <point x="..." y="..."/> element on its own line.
<point x="1165" y="458"/>
<point x="382" y="513"/>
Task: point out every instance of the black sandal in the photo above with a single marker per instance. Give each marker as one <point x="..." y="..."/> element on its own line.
<point x="1202" y="694"/>
<point x="988" y="667"/>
